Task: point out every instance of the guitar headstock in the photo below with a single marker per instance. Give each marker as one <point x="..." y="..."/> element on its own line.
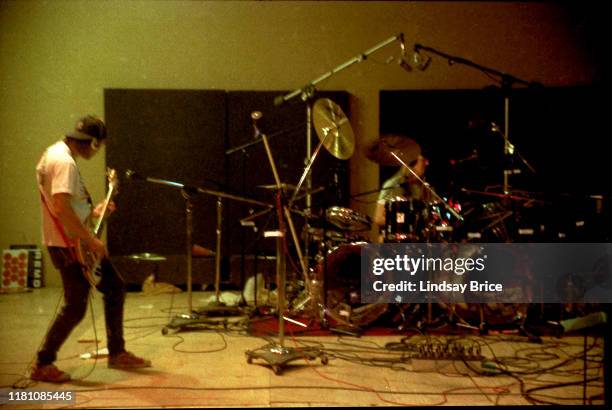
<point x="112" y="179"/>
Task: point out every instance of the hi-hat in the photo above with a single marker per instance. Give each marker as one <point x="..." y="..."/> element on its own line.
<point x="404" y="147"/>
<point x="333" y="128"/>
<point x="146" y="256"/>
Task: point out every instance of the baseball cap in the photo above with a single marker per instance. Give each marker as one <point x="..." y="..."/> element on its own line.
<point x="89" y="127"/>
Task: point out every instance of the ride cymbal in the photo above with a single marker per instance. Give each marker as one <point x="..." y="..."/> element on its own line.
<point x="333" y="128"/>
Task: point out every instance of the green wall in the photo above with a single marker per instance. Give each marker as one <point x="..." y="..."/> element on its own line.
<point x="57" y="57"/>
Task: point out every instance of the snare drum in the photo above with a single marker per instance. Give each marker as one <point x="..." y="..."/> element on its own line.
<point x="405" y="220"/>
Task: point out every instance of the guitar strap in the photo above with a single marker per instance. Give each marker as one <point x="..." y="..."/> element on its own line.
<point x="60" y="228"/>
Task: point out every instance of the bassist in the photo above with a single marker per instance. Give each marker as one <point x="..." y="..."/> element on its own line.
<point x="66" y="207"/>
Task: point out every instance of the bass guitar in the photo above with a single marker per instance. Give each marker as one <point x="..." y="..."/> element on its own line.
<point x="87" y="259"/>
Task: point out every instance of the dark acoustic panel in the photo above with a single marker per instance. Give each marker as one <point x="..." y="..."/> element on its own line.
<point x="561" y="132"/>
<point x="182" y="136"/>
<point x="285" y="127"/>
<point x="173" y="135"/>
<point x="558" y="130"/>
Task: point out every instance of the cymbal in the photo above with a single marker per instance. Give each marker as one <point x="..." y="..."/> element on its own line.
<point x="333" y="128"/>
<point x="286" y="187"/>
<point x="404" y="147"/>
<point x="289" y="187"/>
<point x="513" y="197"/>
<point x="348" y="219"/>
<point x="146" y="256"/>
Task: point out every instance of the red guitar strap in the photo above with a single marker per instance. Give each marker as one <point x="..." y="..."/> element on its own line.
<point x="60" y="228"/>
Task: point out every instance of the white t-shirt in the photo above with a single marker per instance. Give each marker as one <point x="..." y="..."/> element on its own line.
<point x="57" y="172"/>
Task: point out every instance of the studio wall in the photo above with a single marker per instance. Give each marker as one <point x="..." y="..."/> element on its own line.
<point x="57" y="58"/>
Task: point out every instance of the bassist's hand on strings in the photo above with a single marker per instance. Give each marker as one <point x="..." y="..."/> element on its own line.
<point x="96" y="246"/>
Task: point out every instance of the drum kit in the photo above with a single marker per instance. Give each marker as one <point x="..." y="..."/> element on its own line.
<point x="336" y="236"/>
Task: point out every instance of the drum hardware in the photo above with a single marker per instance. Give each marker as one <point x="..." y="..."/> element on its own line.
<point x="288" y="188"/>
<point x="193" y="317"/>
<point x="331" y="124"/>
<point x="324" y="116"/>
<point x="506" y="82"/>
<point x="347" y="219"/>
<point x="335" y="134"/>
<point x="506" y="196"/>
<point x="341" y="269"/>
<point x="148" y="257"/>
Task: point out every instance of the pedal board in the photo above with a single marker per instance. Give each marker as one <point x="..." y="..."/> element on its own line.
<point x="432" y="351"/>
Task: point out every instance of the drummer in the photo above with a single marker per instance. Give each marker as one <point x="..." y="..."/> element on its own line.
<point x="402" y="184"/>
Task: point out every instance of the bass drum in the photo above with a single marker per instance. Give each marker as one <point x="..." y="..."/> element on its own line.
<point x="342" y="271"/>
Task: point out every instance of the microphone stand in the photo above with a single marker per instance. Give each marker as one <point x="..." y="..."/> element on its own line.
<point x="307" y="94"/>
<point x="506" y="82"/>
<point x="276" y="354"/>
<point x="192" y="317"/>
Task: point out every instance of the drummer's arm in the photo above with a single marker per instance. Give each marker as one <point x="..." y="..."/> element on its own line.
<point x="379" y="213"/>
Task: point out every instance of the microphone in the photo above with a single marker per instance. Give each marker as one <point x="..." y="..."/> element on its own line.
<point x="416" y="61"/>
<point x="279" y="100"/>
<point x="402" y="60"/>
<point x="420" y="61"/>
<point x="131" y="174"/>
<point x="256" y="115"/>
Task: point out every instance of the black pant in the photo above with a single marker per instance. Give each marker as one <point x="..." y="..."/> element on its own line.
<point x="76" y="293"/>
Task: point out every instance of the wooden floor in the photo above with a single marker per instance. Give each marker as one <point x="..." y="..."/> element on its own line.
<point x="208" y="368"/>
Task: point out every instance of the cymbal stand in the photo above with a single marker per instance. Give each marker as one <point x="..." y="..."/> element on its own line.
<point x="276" y="354"/>
<point x="306" y="93"/>
<point x="306" y="176"/>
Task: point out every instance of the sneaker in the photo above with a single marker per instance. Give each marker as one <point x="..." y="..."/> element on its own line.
<point x="49" y="373"/>
<point x="127" y="360"/>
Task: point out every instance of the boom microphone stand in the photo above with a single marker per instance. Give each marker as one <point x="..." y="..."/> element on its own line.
<point x="276" y="354"/>
<point x="187" y="192"/>
<point x="506" y="82"/>
<point x="306" y="93"/>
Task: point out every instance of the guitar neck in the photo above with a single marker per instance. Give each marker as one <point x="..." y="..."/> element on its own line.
<point x="97" y="231"/>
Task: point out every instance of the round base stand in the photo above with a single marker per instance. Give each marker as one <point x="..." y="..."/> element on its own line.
<point x="278" y="356"/>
